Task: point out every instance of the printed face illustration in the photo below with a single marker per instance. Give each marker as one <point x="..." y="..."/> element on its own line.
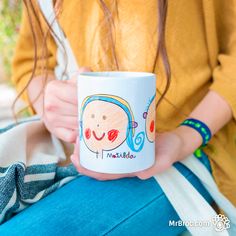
<point x="150" y="117"/>
<point x="104" y="126"/>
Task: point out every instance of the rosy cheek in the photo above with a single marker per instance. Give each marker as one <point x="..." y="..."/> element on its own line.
<point x="112" y="135"/>
<point x="87" y="133"/>
<point x="152" y="126"/>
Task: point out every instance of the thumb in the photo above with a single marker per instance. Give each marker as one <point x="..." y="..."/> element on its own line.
<point x="75" y="75"/>
<point x="84" y="69"/>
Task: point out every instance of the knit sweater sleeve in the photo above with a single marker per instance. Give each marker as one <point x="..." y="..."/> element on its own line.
<point x="224" y="74"/>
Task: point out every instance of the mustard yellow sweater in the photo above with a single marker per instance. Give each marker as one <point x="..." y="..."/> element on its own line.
<point x="201" y="44"/>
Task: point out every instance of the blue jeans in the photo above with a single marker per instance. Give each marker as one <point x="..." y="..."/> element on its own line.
<point x="87" y="207"/>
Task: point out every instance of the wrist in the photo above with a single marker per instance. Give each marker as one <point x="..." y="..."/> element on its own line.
<point x="191" y="140"/>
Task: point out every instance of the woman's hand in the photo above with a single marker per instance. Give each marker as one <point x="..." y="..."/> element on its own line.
<point x="170" y="148"/>
<point x="179" y="143"/>
<point x="61" y="108"/>
<point x="96" y="175"/>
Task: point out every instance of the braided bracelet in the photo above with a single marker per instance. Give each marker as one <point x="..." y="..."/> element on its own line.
<point x="200" y="127"/>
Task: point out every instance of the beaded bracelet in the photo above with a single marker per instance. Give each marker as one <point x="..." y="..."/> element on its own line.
<point x="200" y="127"/>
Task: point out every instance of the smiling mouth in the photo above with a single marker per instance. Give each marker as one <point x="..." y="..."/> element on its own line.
<point x="99" y="139"/>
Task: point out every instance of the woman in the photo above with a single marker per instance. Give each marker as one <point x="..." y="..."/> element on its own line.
<point x="200" y="39"/>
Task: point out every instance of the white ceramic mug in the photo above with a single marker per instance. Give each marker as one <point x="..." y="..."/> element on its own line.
<point x="117" y="121"/>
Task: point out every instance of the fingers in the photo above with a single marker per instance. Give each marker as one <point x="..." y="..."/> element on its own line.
<point x="68" y="122"/>
<point x="63" y="90"/>
<point x="66" y="135"/>
<point x="61" y="108"/>
<point x="60" y="115"/>
<point x="82" y="170"/>
<point x="168" y="151"/>
<point x="66" y="90"/>
<point x="84" y="69"/>
<point x="99" y="176"/>
<point x="57" y="106"/>
<point x="81" y="70"/>
<point x="162" y="163"/>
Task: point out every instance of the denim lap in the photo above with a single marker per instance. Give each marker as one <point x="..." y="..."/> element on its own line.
<point x="86" y="206"/>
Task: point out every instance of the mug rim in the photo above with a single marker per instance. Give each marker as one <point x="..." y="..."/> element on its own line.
<point x="116" y="74"/>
